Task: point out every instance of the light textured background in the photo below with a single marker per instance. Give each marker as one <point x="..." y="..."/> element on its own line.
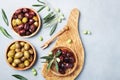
<point x="102" y="48"/>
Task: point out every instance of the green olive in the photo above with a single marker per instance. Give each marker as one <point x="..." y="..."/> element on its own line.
<point x="10" y="60"/>
<point x="25" y="19"/>
<point x="17" y="61"/>
<point x="31" y="51"/>
<point x="14" y="22"/>
<point x="35" y="18"/>
<point x="17" y="50"/>
<point x="26" y="54"/>
<point x="26" y="63"/>
<point x="31" y="58"/>
<point x="18" y="55"/>
<point x="23" y="58"/>
<point x="23" y="49"/>
<point x="21" y="65"/>
<point x="14" y="64"/>
<point x="22" y="43"/>
<point x="26" y="46"/>
<point x="13" y="46"/>
<point x="11" y="53"/>
<point x="17" y="45"/>
<point x="18" y="21"/>
<point x="36" y="24"/>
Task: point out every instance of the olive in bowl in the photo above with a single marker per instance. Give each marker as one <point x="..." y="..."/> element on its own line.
<point x="20" y="55"/>
<point x="25" y="22"/>
<point x="67" y="61"/>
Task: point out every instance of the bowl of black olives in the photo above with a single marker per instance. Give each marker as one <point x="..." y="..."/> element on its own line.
<point x="25" y="22"/>
<point x="67" y="61"/>
<point x="20" y="55"/>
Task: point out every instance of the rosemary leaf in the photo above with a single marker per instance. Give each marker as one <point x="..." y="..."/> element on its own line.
<point x="5" y="17"/>
<point x="46" y="17"/>
<point x="50" y="64"/>
<point x="41" y="2"/>
<point x="46" y="57"/>
<point x="19" y="77"/>
<point x="37" y="5"/>
<point x="53" y="29"/>
<point x="49" y="19"/>
<point x="41" y="9"/>
<point x="58" y="53"/>
<point x="56" y="66"/>
<point x="5" y="33"/>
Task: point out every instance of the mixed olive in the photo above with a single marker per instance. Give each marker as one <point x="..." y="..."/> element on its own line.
<point x="25" y="21"/>
<point x="20" y="54"/>
<point x="67" y="59"/>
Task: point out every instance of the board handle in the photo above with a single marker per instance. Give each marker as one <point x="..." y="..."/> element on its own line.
<point x="46" y="44"/>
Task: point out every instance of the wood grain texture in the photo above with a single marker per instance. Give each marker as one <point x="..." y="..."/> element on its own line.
<point x="76" y="46"/>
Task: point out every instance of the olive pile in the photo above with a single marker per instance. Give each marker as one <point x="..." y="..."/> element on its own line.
<point x="67" y="59"/>
<point x="25" y="21"/>
<point x="20" y="54"/>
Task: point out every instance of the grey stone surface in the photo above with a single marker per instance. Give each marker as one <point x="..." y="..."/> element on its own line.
<point x="102" y="48"/>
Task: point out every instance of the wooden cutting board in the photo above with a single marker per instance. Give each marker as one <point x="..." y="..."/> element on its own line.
<point x="76" y="45"/>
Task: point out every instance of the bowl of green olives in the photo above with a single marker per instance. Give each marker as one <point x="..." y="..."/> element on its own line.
<point x="20" y="55"/>
<point x="25" y="22"/>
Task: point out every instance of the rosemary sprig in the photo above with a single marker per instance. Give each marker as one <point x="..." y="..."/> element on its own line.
<point x="56" y="65"/>
<point x="41" y="9"/>
<point x="53" y="29"/>
<point x="37" y="5"/>
<point x="5" y="17"/>
<point x="19" y="77"/>
<point x="52" y="59"/>
<point x="4" y="32"/>
<point x="52" y="18"/>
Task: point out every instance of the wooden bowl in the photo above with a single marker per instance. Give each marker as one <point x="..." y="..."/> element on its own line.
<point x="69" y="70"/>
<point x="38" y="27"/>
<point x="33" y="56"/>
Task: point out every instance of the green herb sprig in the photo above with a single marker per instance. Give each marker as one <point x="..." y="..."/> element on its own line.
<point x="19" y="77"/>
<point x="5" y="33"/>
<point x="5" y="17"/>
<point x="53" y="17"/>
<point x="52" y="59"/>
